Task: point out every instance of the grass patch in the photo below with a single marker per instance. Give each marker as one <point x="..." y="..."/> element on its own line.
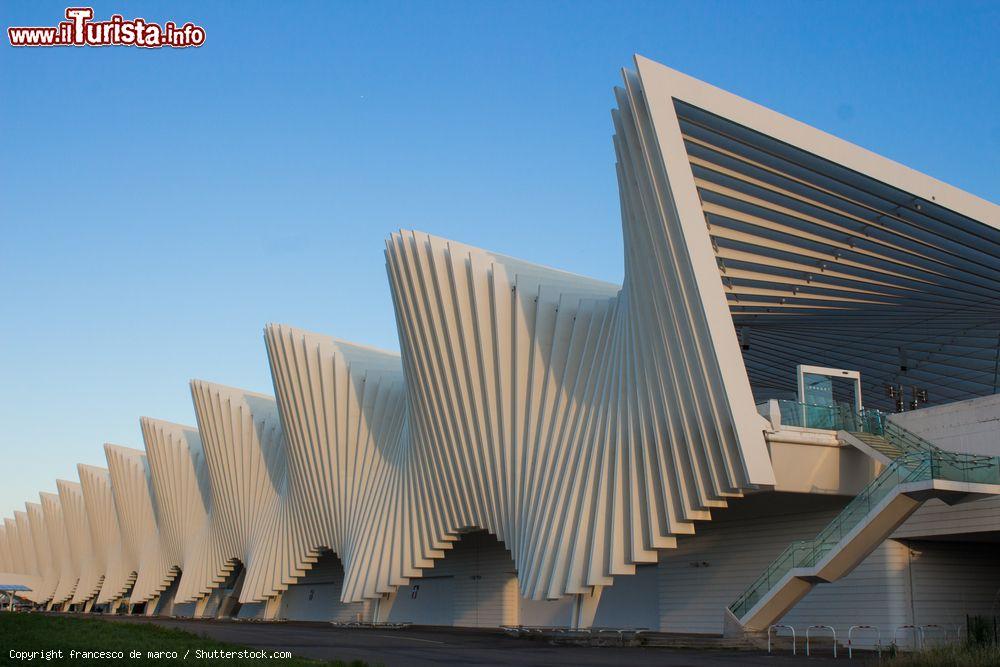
<point x="39" y="632"/>
<point x="959" y="655"/>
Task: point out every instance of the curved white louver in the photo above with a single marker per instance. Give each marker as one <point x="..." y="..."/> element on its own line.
<point x="181" y="491"/>
<point x="62" y="560"/>
<point x="34" y="553"/>
<point x="343" y="409"/>
<point x="533" y="409"/>
<point x="141" y="551"/>
<point x="105" y="535"/>
<point x="244" y="454"/>
<point x="81" y="553"/>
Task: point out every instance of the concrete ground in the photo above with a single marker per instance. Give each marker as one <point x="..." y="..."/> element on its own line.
<point x="418" y="647"/>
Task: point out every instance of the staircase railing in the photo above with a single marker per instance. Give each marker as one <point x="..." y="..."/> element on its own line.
<point x="914" y="466"/>
<point x="840" y="417"/>
<point x="905" y="440"/>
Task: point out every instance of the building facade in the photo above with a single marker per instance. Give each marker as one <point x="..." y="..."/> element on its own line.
<point x="715" y="445"/>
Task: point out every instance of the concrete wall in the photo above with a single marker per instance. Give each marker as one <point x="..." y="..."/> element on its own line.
<point x="165" y="602"/>
<point x="971" y="426"/>
<point x="876" y="593"/>
<point x="316" y="596"/>
<point x="952" y="579"/>
<point x="251" y="610"/>
<point x="474" y="585"/>
<point x="545" y="613"/>
<point x="633" y="602"/>
<point x="816" y="463"/>
<point x="214" y="602"/>
<point x="185" y="610"/>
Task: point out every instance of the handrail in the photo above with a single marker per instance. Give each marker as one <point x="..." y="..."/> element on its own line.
<point x="840" y="417"/>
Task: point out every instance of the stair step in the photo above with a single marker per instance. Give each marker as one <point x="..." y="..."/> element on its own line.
<point x="879" y="444"/>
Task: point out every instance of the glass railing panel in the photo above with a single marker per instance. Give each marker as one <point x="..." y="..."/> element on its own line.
<point x="804" y="415"/>
<point x="840" y="417"/>
<point x="970" y="468"/>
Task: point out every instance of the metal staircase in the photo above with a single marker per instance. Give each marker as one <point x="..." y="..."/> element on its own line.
<point x="915" y="471"/>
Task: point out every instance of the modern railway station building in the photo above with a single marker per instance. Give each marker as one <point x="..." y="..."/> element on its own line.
<point x="787" y="413"/>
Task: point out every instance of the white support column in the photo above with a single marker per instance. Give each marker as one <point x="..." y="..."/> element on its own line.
<point x="200" y="605"/>
<point x="383" y="605"/>
<point x="272" y="607"/>
<point x="774" y="413"/>
<point x="585" y="608"/>
<point x="151" y="605"/>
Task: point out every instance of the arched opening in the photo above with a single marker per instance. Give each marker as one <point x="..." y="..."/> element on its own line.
<point x="316" y="595"/>
<point x="165" y="605"/>
<point x="223" y="600"/>
<point x="126" y="606"/>
<point x="474" y="585"/>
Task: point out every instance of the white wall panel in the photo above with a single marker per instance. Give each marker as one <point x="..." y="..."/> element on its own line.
<point x="473" y="585"/>
<point x="316" y="595"/>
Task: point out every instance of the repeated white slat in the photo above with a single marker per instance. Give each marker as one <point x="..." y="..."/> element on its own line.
<point x="142" y="555"/>
<point x="244" y="450"/>
<point x="105" y="534"/>
<point x="81" y="551"/>
<point x="180" y="486"/>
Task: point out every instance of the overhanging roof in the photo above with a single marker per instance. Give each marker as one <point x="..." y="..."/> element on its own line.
<point x="831" y="254"/>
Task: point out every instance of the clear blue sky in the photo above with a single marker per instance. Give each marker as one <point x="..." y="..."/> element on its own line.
<point x="159" y="207"/>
